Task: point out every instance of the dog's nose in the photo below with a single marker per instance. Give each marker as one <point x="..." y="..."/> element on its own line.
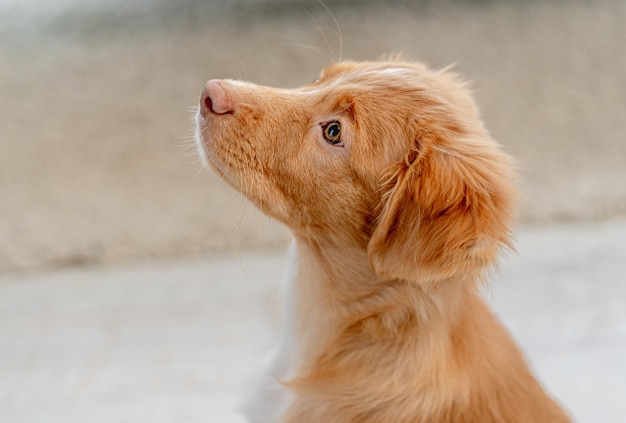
<point x="216" y="99"/>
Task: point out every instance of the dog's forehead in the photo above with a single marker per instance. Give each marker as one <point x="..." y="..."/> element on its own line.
<point x="358" y="71"/>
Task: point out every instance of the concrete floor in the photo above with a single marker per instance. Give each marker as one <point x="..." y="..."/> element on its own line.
<point x="173" y="342"/>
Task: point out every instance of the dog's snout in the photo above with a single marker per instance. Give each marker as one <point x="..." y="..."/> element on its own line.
<point x="216" y="99"/>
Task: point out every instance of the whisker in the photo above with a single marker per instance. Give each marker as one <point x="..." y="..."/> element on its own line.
<point x="243" y="72"/>
<point x="323" y="54"/>
<point x="322" y="31"/>
<point x="338" y="32"/>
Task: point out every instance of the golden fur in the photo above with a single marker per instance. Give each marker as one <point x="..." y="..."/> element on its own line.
<point x="395" y="231"/>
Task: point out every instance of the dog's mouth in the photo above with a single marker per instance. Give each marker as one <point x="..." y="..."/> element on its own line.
<point x="206" y="150"/>
<point x="202" y="151"/>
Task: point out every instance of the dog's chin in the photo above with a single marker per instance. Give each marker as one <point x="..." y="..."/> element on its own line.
<point x="221" y="169"/>
<point x="208" y="158"/>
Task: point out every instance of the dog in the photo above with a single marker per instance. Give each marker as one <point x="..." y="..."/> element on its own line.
<point x="400" y="203"/>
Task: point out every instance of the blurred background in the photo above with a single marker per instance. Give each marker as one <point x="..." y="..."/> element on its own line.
<point x="96" y="171"/>
<point x="96" y="96"/>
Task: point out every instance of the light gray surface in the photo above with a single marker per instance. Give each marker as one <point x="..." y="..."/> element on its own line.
<point x="174" y="342"/>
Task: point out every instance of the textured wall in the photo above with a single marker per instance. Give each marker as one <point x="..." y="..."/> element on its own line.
<point x="94" y="111"/>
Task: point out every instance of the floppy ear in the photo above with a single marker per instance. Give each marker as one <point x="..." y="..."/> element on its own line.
<point x="445" y="211"/>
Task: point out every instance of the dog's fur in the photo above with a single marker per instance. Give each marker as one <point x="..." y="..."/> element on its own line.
<point x="394" y="232"/>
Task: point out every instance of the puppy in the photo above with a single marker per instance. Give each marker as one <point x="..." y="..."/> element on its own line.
<point x="399" y="203"/>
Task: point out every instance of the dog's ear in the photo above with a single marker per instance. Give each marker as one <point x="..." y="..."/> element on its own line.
<point x="445" y="211"/>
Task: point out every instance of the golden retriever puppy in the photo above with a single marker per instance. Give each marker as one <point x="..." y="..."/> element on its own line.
<point x="399" y="202"/>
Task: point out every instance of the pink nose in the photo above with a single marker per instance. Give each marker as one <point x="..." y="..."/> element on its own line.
<point x="216" y="99"/>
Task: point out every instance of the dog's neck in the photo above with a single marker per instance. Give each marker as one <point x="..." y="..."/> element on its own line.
<point x="335" y="290"/>
<point x="433" y="350"/>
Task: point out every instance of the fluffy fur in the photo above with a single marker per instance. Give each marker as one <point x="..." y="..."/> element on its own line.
<point x="394" y="231"/>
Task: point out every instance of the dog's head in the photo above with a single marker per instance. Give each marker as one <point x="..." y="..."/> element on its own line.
<point x="389" y="157"/>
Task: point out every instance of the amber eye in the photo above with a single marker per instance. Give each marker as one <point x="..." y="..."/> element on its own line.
<point x="332" y="133"/>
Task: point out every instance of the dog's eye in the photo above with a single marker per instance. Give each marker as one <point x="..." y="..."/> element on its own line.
<point x="332" y="133"/>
